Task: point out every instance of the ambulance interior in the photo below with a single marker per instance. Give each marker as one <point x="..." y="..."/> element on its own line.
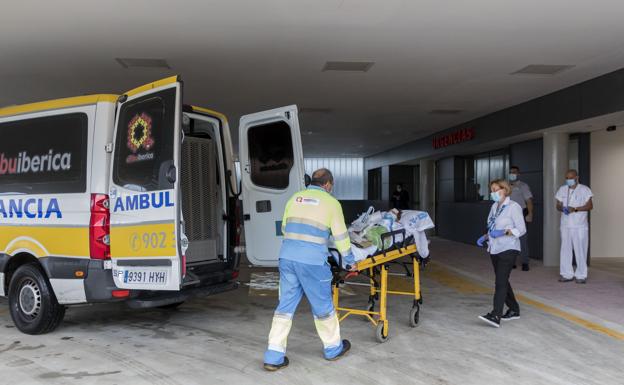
<point x="202" y="191"/>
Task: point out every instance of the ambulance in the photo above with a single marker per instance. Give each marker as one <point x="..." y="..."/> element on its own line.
<point x="134" y="198"/>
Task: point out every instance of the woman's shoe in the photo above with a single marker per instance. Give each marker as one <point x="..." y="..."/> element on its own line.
<point x="491" y="319"/>
<point x="509" y="315"/>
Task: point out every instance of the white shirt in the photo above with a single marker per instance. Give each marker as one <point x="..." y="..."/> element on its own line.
<point x="508" y="217"/>
<point x="520" y="193"/>
<point x="574" y="197"/>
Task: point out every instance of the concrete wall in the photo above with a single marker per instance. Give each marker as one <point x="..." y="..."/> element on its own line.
<point x="607" y="184"/>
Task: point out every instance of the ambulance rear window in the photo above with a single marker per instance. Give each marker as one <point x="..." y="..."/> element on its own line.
<point x="270" y="154"/>
<point x="145" y="141"/>
<point x="45" y="155"/>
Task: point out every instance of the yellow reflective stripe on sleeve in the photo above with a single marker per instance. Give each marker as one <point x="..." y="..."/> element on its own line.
<point x="309" y="222"/>
<point x="307" y="238"/>
<point x="343" y="246"/>
<point x="341" y="237"/>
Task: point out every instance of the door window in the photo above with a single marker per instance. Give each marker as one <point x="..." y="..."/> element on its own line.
<point x="145" y="141"/>
<point x="270" y="155"/>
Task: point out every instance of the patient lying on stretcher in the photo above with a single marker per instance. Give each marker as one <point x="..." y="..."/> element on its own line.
<point x="366" y="231"/>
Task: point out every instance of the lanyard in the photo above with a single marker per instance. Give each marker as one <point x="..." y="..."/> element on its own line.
<point x="570" y="195"/>
<point x="492" y="220"/>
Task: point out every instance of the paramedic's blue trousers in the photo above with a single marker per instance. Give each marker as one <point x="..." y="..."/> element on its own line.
<point x="297" y="279"/>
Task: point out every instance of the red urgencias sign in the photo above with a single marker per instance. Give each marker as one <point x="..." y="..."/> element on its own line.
<point x="459" y="136"/>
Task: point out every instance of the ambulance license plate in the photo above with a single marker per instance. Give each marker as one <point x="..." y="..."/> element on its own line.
<point x="139" y="275"/>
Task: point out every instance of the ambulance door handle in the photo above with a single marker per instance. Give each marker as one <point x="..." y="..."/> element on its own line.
<point x="171" y="174"/>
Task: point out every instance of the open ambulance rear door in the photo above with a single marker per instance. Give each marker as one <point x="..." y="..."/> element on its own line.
<point x="145" y="234"/>
<point x="272" y="170"/>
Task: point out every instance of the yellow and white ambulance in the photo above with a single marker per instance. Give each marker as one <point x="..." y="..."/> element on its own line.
<point x="134" y="198"/>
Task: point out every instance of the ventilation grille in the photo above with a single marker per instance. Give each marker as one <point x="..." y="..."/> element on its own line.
<point x="200" y="198"/>
<point x="142" y="63"/>
<point x="542" y="69"/>
<point x="348" y="66"/>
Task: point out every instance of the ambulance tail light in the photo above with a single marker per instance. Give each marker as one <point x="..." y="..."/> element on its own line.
<point x="99" y="227"/>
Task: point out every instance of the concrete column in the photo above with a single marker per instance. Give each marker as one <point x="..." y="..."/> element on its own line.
<point x="385" y="183"/>
<point x="427" y="187"/>
<point x="555" y="165"/>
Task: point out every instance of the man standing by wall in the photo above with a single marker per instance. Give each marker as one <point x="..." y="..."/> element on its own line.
<point x="400" y="198"/>
<point x="521" y="194"/>
<point x="574" y="200"/>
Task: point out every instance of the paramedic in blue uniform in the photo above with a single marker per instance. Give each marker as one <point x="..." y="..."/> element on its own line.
<point x="311" y="216"/>
<point x="505" y="226"/>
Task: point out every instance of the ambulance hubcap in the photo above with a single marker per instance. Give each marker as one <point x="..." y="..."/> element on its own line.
<point x="30" y="298"/>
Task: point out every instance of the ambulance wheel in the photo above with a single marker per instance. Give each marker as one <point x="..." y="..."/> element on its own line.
<point x="414" y="316"/>
<point x="171" y="306"/>
<point x="381" y="335"/>
<point x="32" y="303"/>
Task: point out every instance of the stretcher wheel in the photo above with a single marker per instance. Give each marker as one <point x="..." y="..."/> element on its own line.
<point x="379" y="333"/>
<point x="414" y="316"/>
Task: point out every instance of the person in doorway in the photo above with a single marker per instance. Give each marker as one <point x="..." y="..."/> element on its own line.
<point x="311" y="216"/>
<point x="574" y="200"/>
<point x="521" y="194"/>
<point x="505" y="226"/>
<point x="400" y="198"/>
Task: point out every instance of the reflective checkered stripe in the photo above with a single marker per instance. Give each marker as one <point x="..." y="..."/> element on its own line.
<point x="328" y="329"/>
<point x="280" y="328"/>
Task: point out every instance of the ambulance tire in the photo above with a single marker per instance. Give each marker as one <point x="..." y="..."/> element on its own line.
<point x="32" y="303"/>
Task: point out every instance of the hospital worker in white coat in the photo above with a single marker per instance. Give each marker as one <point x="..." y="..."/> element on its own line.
<point x="574" y="200"/>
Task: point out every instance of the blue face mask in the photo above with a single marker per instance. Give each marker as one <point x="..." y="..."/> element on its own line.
<point x="513" y="177"/>
<point x="570" y="182"/>
<point x="495" y="196"/>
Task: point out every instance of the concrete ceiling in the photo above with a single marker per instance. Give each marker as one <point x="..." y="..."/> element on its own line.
<point x="241" y="56"/>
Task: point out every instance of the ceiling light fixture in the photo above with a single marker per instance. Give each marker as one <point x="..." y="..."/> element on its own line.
<point x="348" y="66"/>
<point x="142" y="63"/>
<point x="542" y="69"/>
<point x="445" y="112"/>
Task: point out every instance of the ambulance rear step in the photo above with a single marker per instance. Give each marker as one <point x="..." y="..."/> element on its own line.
<point x="163" y="298"/>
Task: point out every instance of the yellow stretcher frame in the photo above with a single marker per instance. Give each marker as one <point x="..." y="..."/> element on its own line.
<point x="376" y="268"/>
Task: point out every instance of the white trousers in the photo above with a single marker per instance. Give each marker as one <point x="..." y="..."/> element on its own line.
<point x="574" y="239"/>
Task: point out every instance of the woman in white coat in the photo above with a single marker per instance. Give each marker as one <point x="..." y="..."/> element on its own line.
<point x="505" y="226"/>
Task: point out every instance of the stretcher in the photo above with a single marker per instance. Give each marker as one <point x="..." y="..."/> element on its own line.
<point x="375" y="268"/>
